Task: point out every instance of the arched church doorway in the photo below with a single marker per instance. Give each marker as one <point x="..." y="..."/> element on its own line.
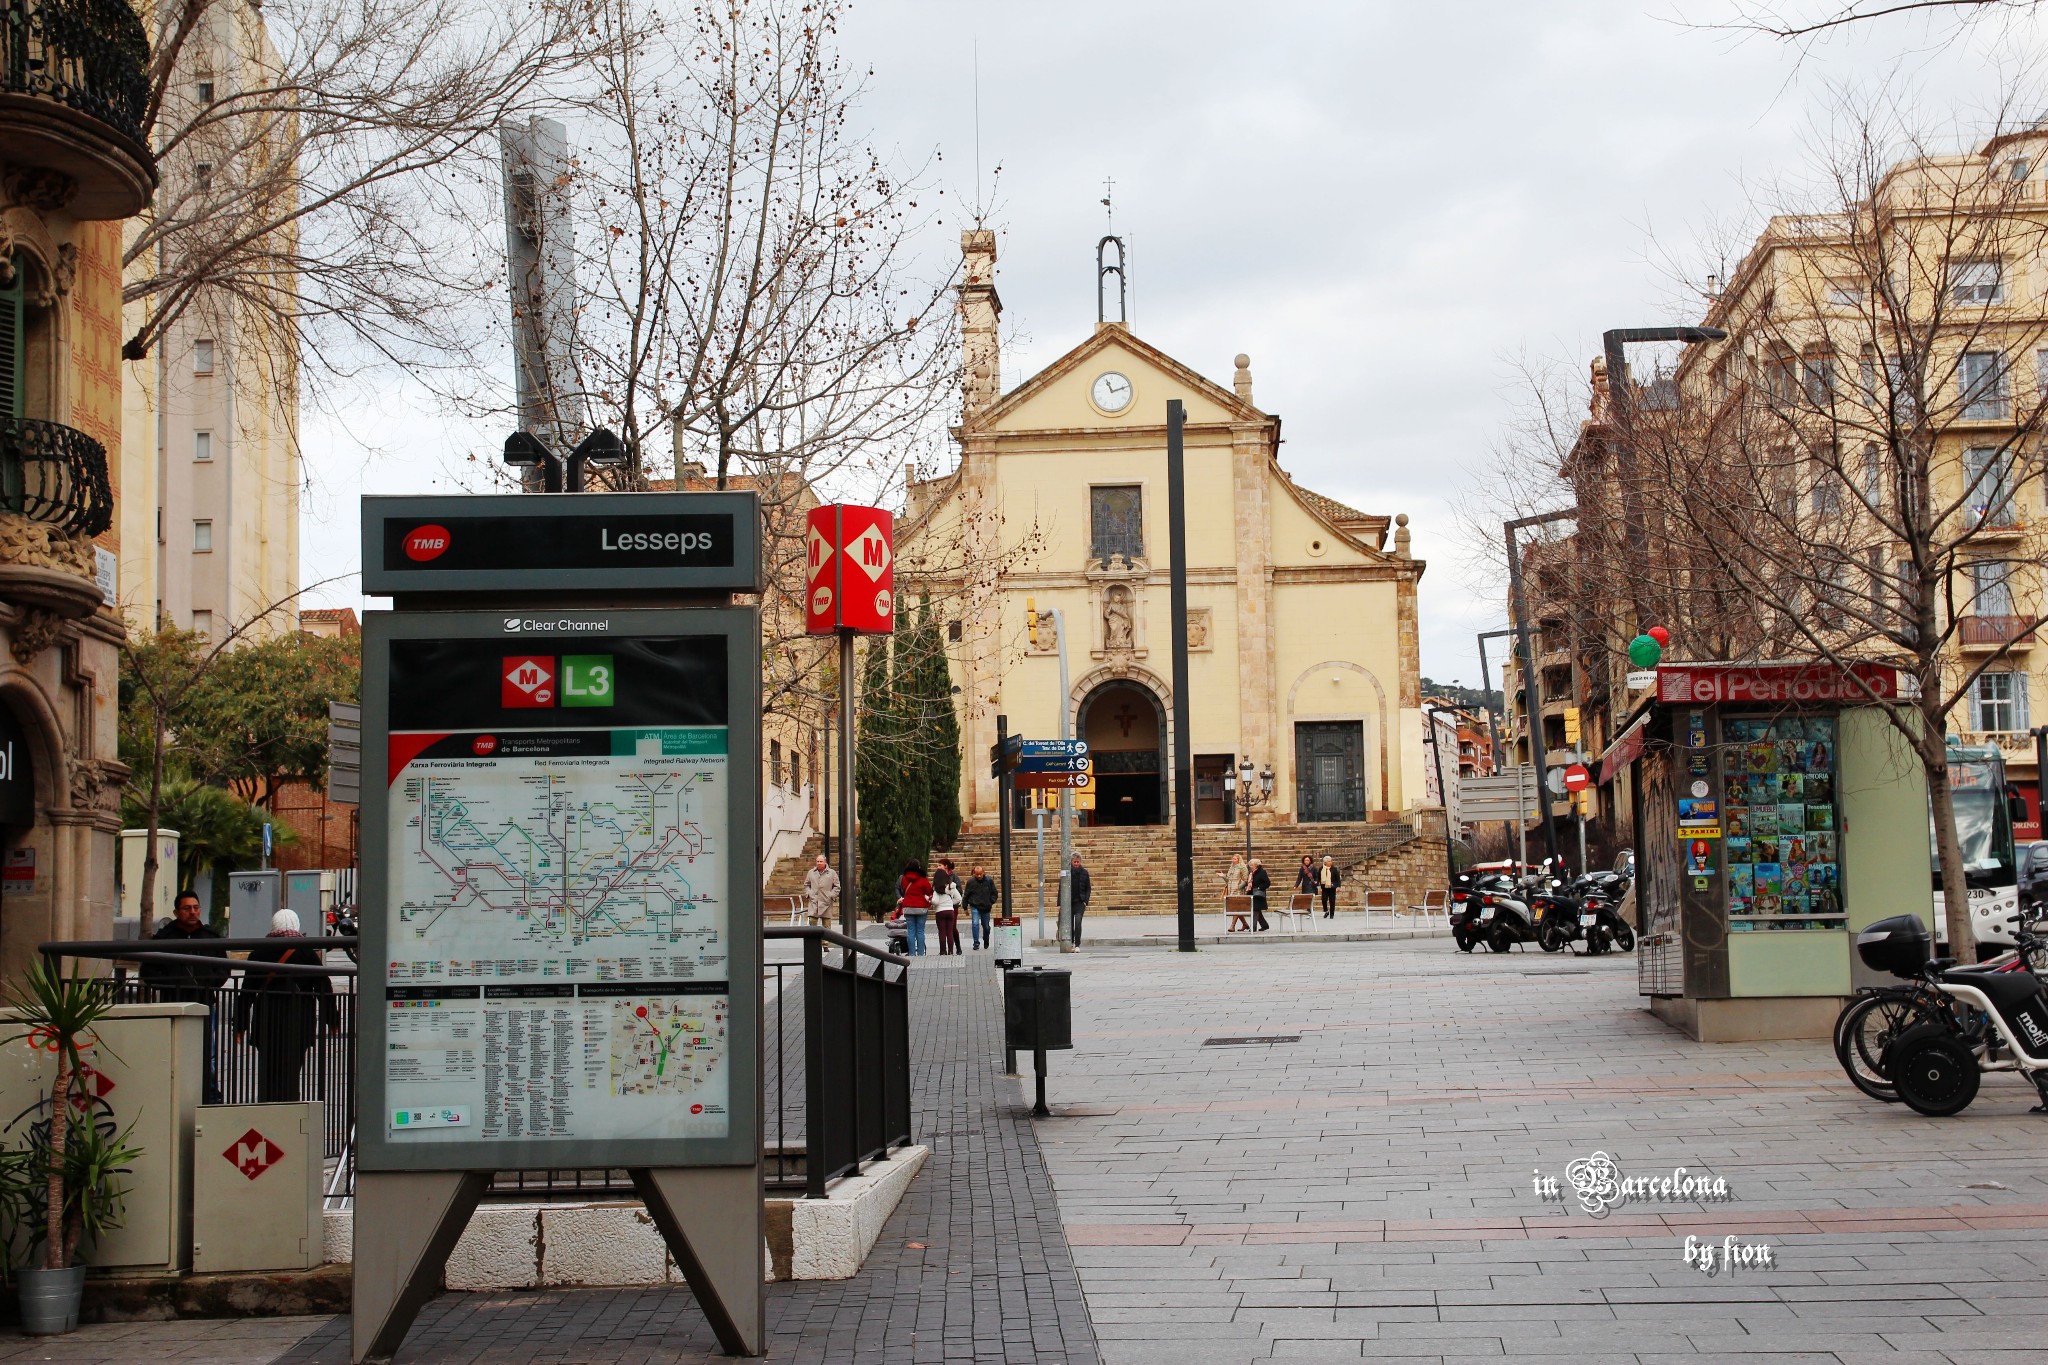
<point x="1125" y="726"/>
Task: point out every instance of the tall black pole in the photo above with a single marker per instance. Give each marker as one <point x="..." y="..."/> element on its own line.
<point x="1486" y="686"/>
<point x="849" y="869"/>
<point x="1003" y="800"/>
<point x="1183" y="753"/>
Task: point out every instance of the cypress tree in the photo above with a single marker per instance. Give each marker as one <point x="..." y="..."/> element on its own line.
<point x="942" y="729"/>
<point x="912" y="732"/>
<point x="875" y="790"/>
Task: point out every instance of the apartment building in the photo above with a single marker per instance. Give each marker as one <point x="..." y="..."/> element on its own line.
<point x="211" y="477"/>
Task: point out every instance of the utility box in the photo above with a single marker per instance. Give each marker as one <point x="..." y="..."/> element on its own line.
<point x="310" y="895"/>
<point x="256" y="1172"/>
<point x="252" y="900"/>
<point x="143" y="1077"/>
<point x="128" y="887"/>
<point x="1038" y="1010"/>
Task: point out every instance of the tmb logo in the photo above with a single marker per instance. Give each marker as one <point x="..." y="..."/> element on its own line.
<point x="426" y="542"/>
<point x="252" y="1154"/>
<point x="484" y="745"/>
<point x="528" y="680"/>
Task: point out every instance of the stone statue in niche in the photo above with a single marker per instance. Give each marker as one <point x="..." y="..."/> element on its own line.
<point x="1116" y="617"/>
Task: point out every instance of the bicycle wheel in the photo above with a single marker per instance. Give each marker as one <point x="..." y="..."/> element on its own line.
<point x="1866" y="1027"/>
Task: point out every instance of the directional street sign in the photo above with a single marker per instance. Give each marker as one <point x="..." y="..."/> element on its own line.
<point x="1039" y="781"/>
<point x="1053" y="763"/>
<point x="1051" y="746"/>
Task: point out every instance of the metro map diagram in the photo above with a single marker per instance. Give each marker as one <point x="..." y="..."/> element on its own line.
<point x="550" y="855"/>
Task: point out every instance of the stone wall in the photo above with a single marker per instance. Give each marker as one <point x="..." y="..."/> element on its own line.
<point x="1408" y="871"/>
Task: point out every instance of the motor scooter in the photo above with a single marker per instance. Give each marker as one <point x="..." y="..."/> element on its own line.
<point x="1933" y="1065"/>
<point x="1505" y="919"/>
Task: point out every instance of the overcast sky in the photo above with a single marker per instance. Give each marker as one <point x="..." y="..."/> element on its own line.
<point x="1383" y="204"/>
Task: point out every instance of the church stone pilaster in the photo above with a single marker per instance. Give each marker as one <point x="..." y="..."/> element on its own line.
<point x="1256" y="688"/>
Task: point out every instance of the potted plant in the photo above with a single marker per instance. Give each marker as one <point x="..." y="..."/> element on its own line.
<point x="72" y="1175"/>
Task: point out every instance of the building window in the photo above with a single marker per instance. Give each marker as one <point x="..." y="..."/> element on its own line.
<point x="1817" y="378"/>
<point x="953" y="631"/>
<point x="1116" y="520"/>
<point x="796" y="770"/>
<point x="2017" y="168"/>
<point x="1987" y="477"/>
<point x="1998" y="702"/>
<point x="1873" y="475"/>
<point x="202" y="445"/>
<point x="1827" y="493"/>
<point x="1845" y="294"/>
<point x="206" y="92"/>
<point x="202" y="357"/>
<point x="1982" y="375"/>
<point x="1976" y="282"/>
<point x="202" y="537"/>
<point x="202" y="624"/>
<point x="775" y="762"/>
<point x="1993" y="581"/>
<point x="203" y="172"/>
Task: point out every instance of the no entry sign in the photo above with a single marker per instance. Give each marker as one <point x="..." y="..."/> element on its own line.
<point x="1576" y="778"/>
<point x="850" y="579"/>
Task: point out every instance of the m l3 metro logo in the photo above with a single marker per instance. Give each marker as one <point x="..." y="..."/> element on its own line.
<point x="528" y="681"/>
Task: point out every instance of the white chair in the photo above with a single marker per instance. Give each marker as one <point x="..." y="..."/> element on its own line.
<point x="1433" y="903"/>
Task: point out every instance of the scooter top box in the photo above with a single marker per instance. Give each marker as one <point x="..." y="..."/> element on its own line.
<point x="1899" y="945"/>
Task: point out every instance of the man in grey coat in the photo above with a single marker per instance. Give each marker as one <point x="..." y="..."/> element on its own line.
<point x="821" y="892"/>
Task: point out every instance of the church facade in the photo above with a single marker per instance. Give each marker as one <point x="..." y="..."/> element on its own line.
<point x="1301" y="621"/>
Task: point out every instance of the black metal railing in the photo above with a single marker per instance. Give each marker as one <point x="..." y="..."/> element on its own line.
<point x="837" y="1058"/>
<point x="90" y="55"/>
<point x="835" y="1032"/>
<point x="55" y="474"/>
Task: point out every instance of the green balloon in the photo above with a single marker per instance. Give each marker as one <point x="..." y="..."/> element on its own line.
<point x="1644" y="651"/>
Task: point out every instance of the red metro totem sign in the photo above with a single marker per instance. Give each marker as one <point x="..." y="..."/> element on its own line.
<point x="850" y="574"/>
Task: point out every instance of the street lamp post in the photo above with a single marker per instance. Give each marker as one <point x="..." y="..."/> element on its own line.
<point x="1249" y="797"/>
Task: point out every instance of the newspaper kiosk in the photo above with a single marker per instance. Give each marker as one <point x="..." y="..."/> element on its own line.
<point x="1777" y="810"/>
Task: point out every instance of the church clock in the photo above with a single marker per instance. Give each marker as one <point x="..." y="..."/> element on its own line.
<point x="1111" y="392"/>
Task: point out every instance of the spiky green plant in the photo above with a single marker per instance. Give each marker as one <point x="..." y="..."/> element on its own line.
<point x="60" y="1014"/>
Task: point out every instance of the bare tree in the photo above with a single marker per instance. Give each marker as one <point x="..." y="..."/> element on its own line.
<point x="324" y="168"/>
<point x="1856" y="474"/>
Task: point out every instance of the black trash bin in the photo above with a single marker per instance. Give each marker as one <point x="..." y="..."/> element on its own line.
<point x="1038" y="1010"/>
<point x="1038" y="1016"/>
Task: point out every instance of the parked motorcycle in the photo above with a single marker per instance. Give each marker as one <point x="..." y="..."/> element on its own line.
<point x="342" y="923"/>
<point x="1505" y="918"/>
<point x="1935" y="1065"/>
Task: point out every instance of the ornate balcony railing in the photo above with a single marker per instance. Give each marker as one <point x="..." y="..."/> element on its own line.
<point x="1993" y="631"/>
<point x="91" y="55"/>
<point x="56" y="475"/>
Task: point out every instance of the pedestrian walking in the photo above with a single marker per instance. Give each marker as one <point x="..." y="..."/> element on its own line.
<point x="981" y="895"/>
<point x="195" y="979"/>
<point x="1261" y="883"/>
<point x="914" y="899"/>
<point x="1305" y="876"/>
<point x="946" y="910"/>
<point x="1079" y="888"/>
<point x="1236" y="878"/>
<point x="821" y="892"/>
<point x="281" y="1013"/>
<point x="1327" y="882"/>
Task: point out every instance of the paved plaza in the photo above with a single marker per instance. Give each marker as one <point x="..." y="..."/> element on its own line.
<point x="1221" y="1194"/>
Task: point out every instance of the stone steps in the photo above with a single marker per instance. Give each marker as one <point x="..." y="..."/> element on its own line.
<point x="788" y="877"/>
<point x="1132" y="868"/>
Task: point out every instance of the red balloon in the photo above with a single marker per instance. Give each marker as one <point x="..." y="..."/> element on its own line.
<point x="1660" y="635"/>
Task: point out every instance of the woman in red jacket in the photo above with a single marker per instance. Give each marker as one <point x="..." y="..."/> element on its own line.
<point x="914" y="898"/>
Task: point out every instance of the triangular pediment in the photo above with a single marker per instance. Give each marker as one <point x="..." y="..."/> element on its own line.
<point x="1057" y="397"/>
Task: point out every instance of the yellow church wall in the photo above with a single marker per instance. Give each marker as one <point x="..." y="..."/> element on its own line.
<point x="1296" y="535"/>
<point x="1046" y="491"/>
<point x="1325" y="634"/>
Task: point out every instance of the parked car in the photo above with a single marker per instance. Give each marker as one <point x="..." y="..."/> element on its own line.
<point x="2034" y="873"/>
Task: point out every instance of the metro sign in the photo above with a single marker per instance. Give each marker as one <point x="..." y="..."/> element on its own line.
<point x="840" y="539"/>
<point x="528" y="680"/>
<point x="252" y="1154"/>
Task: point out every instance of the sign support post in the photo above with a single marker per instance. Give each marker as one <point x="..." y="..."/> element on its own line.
<point x="561" y="853"/>
<point x="849" y="854"/>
